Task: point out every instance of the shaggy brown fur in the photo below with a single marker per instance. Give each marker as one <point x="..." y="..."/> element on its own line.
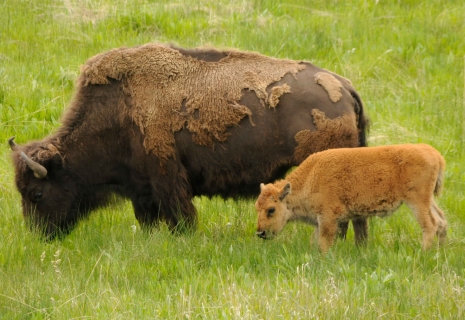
<point x="330" y="84"/>
<point x="341" y="184"/>
<point x="160" y="125"/>
<point x="276" y="93"/>
<point x="329" y="134"/>
<point x="162" y="80"/>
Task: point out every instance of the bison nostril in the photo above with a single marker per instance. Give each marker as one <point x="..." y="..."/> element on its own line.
<point x="261" y="234"/>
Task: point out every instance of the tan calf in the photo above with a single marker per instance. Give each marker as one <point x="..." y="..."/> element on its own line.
<point x="338" y="185"/>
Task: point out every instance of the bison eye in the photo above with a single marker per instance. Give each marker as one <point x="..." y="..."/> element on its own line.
<point x="37" y="196"/>
<point x="270" y="212"/>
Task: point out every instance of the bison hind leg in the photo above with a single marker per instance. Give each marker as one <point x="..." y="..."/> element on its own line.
<point x="360" y="230"/>
<point x="343" y="227"/>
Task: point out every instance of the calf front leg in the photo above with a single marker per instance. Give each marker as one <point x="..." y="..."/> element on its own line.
<point x="427" y="221"/>
<point x="327" y="226"/>
<point x="314" y="238"/>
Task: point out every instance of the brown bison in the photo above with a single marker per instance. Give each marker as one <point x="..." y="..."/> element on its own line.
<point x="341" y="184"/>
<point x="159" y="125"/>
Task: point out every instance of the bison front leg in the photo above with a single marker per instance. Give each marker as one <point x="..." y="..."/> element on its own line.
<point x="180" y="214"/>
<point x="145" y="210"/>
<point x="174" y="198"/>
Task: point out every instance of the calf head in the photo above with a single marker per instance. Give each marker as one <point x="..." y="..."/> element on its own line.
<point x="48" y="191"/>
<point x="272" y="210"/>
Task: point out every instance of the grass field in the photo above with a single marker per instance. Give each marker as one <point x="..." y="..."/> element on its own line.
<point x="406" y="59"/>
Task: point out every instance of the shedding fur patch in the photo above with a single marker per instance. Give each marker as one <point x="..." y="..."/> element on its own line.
<point x="340" y="132"/>
<point x="330" y="84"/>
<point x="276" y="93"/>
<point x="160" y="78"/>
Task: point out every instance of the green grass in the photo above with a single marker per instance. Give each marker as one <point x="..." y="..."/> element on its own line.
<point x="406" y="58"/>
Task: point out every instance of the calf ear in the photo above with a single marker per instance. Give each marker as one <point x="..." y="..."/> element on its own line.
<point x="262" y="186"/>
<point x="285" y="191"/>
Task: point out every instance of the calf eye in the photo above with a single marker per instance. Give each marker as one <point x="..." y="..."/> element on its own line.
<point x="37" y="196"/>
<point x="270" y="212"/>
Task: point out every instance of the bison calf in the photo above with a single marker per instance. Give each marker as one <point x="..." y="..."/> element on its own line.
<point x="338" y="185"/>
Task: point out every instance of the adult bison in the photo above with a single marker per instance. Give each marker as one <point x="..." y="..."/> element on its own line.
<point x="159" y="125"/>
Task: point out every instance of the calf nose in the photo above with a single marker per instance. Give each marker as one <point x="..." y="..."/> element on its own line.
<point x="261" y="234"/>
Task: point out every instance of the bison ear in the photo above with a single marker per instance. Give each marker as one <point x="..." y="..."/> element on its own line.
<point x="51" y="157"/>
<point x="57" y="160"/>
<point x="262" y="186"/>
<point x="285" y="191"/>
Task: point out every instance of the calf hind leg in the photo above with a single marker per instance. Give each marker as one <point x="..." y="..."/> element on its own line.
<point x="427" y="221"/>
<point x="441" y="220"/>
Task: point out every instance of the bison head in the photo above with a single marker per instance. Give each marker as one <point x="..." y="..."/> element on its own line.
<point x="48" y="191"/>
<point x="272" y="211"/>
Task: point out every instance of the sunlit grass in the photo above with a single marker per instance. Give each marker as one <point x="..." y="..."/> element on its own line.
<point x="406" y="60"/>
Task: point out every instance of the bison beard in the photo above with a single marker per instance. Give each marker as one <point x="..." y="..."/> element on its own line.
<point x="159" y="125"/>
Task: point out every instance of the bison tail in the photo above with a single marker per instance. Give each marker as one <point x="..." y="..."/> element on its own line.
<point x="362" y="121"/>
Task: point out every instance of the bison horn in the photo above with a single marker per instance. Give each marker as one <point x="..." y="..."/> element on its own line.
<point x="39" y="171"/>
<point x="13" y="145"/>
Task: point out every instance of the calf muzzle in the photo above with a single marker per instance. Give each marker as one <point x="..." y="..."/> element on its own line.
<point x="261" y="234"/>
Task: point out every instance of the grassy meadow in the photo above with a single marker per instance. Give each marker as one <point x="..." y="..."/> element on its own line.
<point x="406" y="59"/>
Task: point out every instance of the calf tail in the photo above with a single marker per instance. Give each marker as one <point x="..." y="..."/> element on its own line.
<point x="439" y="181"/>
<point x="440" y="178"/>
<point x="362" y="120"/>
